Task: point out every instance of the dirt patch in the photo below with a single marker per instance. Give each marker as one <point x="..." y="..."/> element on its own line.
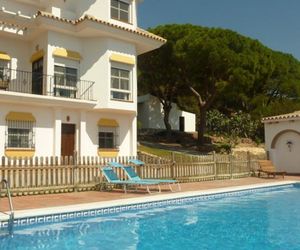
<point x="187" y="143"/>
<point x="258" y="152"/>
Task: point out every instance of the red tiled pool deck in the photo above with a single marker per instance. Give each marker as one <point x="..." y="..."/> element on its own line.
<point x="76" y="198"/>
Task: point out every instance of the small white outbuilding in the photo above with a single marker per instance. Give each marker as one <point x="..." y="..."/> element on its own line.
<point x="151" y="116"/>
<point x="282" y="139"/>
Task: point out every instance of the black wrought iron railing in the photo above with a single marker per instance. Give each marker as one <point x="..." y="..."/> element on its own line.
<point x="40" y="84"/>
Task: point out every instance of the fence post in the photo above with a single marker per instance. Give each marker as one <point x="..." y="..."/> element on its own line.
<point x="249" y="162"/>
<point x="173" y="165"/>
<point x="231" y="166"/>
<point x="75" y="171"/>
<point x="215" y="164"/>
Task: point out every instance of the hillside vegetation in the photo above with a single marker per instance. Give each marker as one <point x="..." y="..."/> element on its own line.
<point x="230" y="81"/>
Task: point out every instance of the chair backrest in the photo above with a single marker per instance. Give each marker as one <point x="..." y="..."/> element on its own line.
<point x="131" y="173"/>
<point x="115" y="164"/>
<point x="137" y="162"/>
<point x="129" y="170"/>
<point x="266" y="165"/>
<point x="110" y="174"/>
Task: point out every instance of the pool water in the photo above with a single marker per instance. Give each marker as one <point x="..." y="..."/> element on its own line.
<point x="260" y="220"/>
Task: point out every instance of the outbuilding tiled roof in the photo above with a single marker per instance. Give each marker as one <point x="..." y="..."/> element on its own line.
<point x="288" y="116"/>
<point x="137" y="31"/>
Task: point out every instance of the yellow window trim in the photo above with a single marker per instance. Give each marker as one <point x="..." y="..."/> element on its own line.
<point x="37" y="55"/>
<point x="19" y="153"/>
<point x="4" y="56"/>
<point x="20" y="116"/>
<point x="122" y="59"/>
<point x="65" y="53"/>
<point x="108" y="152"/>
<point x="108" y="123"/>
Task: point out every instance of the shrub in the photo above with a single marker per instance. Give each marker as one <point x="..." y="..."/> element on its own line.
<point x="237" y="125"/>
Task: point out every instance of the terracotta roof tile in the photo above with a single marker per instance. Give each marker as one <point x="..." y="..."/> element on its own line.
<point x="137" y="31"/>
<point x="288" y="116"/>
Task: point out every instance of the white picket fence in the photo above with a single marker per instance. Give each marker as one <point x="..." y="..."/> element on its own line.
<point x="54" y="175"/>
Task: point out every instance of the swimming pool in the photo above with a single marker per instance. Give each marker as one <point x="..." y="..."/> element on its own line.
<point x="257" y="219"/>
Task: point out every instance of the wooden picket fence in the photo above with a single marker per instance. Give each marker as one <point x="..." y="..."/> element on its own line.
<point x="54" y="175"/>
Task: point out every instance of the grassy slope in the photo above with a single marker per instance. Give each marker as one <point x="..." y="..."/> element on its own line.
<point x="154" y="151"/>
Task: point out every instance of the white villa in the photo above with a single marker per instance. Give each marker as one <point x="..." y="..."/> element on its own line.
<point x="68" y="77"/>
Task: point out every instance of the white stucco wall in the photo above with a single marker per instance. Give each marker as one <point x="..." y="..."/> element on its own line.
<point x="43" y="130"/>
<point x="19" y="51"/>
<point x="73" y="9"/>
<point x="95" y="65"/>
<point x="189" y="121"/>
<point x="101" y="10"/>
<point x="15" y="6"/>
<point x="48" y="136"/>
<point x="150" y="114"/>
<point x="278" y="134"/>
<point x="143" y="115"/>
<point x="96" y="8"/>
<point x="125" y="136"/>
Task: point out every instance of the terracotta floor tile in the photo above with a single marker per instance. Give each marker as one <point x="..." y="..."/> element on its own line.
<point x="52" y="200"/>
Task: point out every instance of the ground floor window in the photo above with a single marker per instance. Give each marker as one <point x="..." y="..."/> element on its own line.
<point x="20" y="134"/>
<point x="107" y="137"/>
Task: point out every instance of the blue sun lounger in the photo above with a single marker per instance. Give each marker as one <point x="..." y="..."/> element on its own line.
<point x="133" y="176"/>
<point x="112" y="178"/>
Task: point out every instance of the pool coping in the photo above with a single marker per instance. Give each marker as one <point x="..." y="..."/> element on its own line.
<point x="31" y="216"/>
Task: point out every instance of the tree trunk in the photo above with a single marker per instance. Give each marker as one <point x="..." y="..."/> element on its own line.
<point x="203" y="105"/>
<point x="167" y="110"/>
<point x="202" y="125"/>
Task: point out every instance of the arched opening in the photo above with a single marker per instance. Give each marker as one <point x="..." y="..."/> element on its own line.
<point x="281" y="133"/>
<point x="285" y="148"/>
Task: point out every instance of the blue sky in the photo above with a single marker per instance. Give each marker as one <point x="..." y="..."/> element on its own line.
<point x="276" y="23"/>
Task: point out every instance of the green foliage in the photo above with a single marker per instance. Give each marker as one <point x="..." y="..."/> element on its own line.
<point x="203" y="68"/>
<point x="277" y="107"/>
<point x="241" y="125"/>
<point x="223" y="148"/>
<point x="217" y="123"/>
<point x="237" y="125"/>
<point x="264" y="78"/>
<point x="158" y="73"/>
<point x="139" y="124"/>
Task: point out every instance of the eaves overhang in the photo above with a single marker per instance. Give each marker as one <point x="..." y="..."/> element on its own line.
<point x="86" y="26"/>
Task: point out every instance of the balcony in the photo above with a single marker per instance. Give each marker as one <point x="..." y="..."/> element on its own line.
<point x="39" y="84"/>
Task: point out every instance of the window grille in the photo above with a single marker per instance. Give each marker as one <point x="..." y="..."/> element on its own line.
<point x="20" y="134"/>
